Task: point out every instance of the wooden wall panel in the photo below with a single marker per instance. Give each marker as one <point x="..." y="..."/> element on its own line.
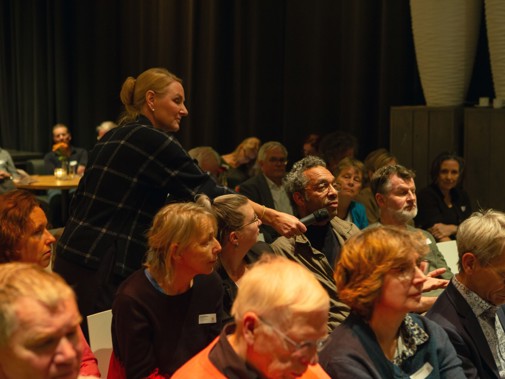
<point x="484" y="152"/>
<point x="419" y="134"/>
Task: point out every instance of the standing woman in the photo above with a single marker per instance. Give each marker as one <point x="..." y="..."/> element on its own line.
<point x="167" y="312"/>
<point x="238" y="165"/>
<point x="238" y="227"/>
<point x="379" y="275"/>
<point x="132" y="172"/>
<point x="444" y="204"/>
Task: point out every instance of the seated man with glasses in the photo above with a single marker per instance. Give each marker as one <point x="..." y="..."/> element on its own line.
<point x="280" y="325"/>
<point x="266" y="187"/>
<point x="471" y="309"/>
<point x="311" y="187"/>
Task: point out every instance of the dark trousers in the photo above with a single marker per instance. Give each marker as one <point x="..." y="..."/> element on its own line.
<point x="95" y="288"/>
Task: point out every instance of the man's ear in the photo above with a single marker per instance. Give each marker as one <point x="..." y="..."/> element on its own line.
<point x="299" y="199"/>
<point x="249" y="324"/>
<point x="380" y="199"/>
<point x="469" y="263"/>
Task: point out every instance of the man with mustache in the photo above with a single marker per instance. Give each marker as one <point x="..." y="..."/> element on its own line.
<point x="395" y="192"/>
<point x="311" y="186"/>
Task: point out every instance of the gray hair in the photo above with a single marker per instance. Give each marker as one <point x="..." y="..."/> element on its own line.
<point x="381" y="179"/>
<point x="106" y="126"/>
<point x="277" y="288"/>
<point x="204" y="153"/>
<point x="295" y="181"/>
<point x="482" y="234"/>
<point x="23" y="280"/>
<point x="268" y="146"/>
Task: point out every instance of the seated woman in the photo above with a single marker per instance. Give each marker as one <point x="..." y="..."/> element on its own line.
<point x="166" y="312"/>
<point x="349" y="174"/>
<point x="24" y="238"/>
<point x="380" y="276"/>
<point x="238" y="165"/>
<point x="443" y="205"/>
<point x="238" y="231"/>
<point x="373" y="161"/>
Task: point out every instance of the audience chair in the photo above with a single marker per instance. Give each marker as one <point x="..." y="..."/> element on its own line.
<point x="35" y="167"/>
<point x="100" y="338"/>
<point x="449" y="250"/>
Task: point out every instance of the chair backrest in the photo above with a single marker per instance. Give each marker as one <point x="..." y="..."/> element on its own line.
<point x="449" y="250"/>
<point x="100" y="338"/>
<point x="35" y="167"/>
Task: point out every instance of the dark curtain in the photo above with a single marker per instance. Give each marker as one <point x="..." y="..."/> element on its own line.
<point x="277" y="69"/>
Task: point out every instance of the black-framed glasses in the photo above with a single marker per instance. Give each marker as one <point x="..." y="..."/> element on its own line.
<point x="255" y="219"/>
<point x="316" y="345"/>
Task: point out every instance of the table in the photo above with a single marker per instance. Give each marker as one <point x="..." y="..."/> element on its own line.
<point x="46" y="182"/>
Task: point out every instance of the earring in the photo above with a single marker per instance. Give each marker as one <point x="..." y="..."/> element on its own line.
<point x="152" y="109"/>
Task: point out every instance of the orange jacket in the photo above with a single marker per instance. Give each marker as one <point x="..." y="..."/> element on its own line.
<point x="200" y="367"/>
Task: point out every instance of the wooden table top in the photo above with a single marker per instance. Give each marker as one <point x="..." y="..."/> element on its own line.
<point x="45" y="182"/>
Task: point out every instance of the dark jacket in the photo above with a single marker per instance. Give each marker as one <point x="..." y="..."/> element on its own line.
<point x="257" y="190"/>
<point x="452" y="312"/>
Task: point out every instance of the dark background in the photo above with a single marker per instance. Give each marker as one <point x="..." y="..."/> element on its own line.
<point x="277" y="69"/>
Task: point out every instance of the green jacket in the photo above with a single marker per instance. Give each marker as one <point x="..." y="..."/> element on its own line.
<point x="299" y="249"/>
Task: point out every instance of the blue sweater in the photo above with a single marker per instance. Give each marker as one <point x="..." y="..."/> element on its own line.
<point x="358" y="214"/>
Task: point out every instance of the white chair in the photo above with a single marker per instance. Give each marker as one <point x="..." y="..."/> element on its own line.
<point x="100" y="339"/>
<point x="449" y="250"/>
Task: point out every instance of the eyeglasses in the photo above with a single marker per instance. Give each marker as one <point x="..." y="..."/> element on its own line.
<point x="317" y="345"/>
<point x="324" y="187"/>
<point x="278" y="160"/>
<point x="255" y="219"/>
<point x="406" y="272"/>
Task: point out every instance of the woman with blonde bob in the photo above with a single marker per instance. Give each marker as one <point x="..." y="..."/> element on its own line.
<point x="380" y="276"/>
<point x="166" y="312"/>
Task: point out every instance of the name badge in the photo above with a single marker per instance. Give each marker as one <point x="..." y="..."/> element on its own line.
<point x="423" y="372"/>
<point x="428" y="241"/>
<point x="209" y="318"/>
